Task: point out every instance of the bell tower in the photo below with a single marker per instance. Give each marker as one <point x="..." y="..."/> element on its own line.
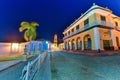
<point x="55" y="40"/>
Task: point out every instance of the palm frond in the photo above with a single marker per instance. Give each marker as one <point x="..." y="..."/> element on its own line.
<point x="30" y="33"/>
<point x="26" y="37"/>
<point x="35" y="24"/>
<point x="24" y="25"/>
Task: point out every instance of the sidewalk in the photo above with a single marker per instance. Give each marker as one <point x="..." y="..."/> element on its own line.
<point x="93" y="53"/>
<point x="44" y="73"/>
<point x="6" y="64"/>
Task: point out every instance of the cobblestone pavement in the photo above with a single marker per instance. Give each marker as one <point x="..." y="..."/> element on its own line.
<point x="65" y="66"/>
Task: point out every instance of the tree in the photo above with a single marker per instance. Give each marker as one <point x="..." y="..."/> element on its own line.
<point x="30" y="33"/>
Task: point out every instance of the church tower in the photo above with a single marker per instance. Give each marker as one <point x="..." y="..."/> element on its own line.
<point x="55" y="40"/>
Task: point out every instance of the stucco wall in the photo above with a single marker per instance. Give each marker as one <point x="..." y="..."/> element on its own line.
<point x="7" y="49"/>
<point x="82" y="35"/>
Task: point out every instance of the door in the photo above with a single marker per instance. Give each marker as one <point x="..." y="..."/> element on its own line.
<point x="106" y="44"/>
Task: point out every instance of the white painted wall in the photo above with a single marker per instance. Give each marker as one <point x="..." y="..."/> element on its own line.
<point x="6" y="49"/>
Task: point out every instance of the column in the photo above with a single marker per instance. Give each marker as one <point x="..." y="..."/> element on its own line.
<point x="113" y="40"/>
<point x="82" y="43"/>
<point x="75" y="44"/>
<point x="97" y="38"/>
<point x="70" y="43"/>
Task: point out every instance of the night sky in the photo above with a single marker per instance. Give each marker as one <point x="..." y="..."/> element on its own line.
<point x="52" y="15"/>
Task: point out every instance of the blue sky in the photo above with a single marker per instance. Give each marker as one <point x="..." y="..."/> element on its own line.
<point x="52" y="15"/>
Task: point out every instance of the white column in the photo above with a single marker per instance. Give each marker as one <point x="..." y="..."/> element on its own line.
<point x="97" y="38"/>
<point x="83" y="44"/>
<point x="75" y="44"/>
<point x="113" y="40"/>
<point x="70" y="45"/>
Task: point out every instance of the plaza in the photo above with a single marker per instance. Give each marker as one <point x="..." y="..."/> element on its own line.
<point x="59" y="40"/>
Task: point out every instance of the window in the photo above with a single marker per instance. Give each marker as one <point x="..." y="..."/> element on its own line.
<point x="73" y="30"/>
<point x="65" y="34"/>
<point x="116" y="24"/>
<point x="77" y="27"/>
<point x="68" y="32"/>
<point x="86" y="21"/>
<point x="103" y="18"/>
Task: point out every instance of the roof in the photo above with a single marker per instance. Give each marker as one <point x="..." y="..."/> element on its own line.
<point x="89" y="10"/>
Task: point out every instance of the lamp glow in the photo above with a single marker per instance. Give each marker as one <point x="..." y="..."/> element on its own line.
<point x="46" y="42"/>
<point x="15" y="47"/>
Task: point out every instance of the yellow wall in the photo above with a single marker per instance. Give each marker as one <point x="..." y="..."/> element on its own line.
<point x="81" y="35"/>
<point x="92" y="18"/>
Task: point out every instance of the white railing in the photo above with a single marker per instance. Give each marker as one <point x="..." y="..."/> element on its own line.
<point x="31" y="68"/>
<point x="90" y="25"/>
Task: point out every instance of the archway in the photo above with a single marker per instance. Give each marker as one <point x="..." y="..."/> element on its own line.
<point x="65" y="45"/>
<point x="69" y="45"/>
<point x="73" y="44"/>
<point x="87" y="42"/>
<point x="79" y="43"/>
<point x="117" y="42"/>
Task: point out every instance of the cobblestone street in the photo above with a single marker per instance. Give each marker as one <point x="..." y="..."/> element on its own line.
<point x="67" y="66"/>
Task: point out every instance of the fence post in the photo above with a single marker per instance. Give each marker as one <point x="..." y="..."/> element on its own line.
<point x="39" y="62"/>
<point x="27" y="73"/>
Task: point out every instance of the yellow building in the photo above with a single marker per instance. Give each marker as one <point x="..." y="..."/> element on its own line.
<point x="61" y="46"/>
<point x="97" y="29"/>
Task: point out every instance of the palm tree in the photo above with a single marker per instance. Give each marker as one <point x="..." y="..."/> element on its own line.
<point x="30" y="33"/>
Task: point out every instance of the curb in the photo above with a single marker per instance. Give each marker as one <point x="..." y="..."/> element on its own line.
<point x="10" y="66"/>
<point x="91" y="54"/>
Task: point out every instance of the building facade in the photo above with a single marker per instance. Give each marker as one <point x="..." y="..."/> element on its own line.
<point x="97" y="29"/>
<point x="61" y="46"/>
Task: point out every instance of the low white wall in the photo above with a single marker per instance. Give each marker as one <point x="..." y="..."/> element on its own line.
<point x="8" y="48"/>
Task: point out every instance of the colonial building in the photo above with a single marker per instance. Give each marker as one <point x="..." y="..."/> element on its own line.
<point x="61" y="46"/>
<point x="97" y="29"/>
